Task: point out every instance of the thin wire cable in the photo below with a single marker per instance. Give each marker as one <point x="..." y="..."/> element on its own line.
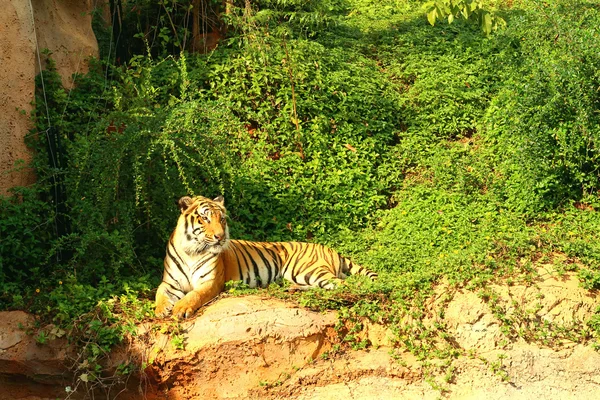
<point x="107" y="62"/>
<point x="72" y="86"/>
<point x="39" y="58"/>
<point x="37" y="48"/>
<point x="77" y="69"/>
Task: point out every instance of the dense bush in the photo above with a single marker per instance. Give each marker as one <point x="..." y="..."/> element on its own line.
<point x="27" y="234"/>
<point x="293" y="134"/>
<point x="322" y="120"/>
<point x="544" y="124"/>
<point x="334" y="121"/>
<point x="287" y="164"/>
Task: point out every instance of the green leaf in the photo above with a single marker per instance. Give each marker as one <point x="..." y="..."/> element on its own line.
<point x="465" y="12"/>
<point x="486" y="23"/>
<point x="431" y="16"/>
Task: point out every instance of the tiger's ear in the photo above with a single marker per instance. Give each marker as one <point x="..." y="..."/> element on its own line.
<point x="220" y="200"/>
<point x="184" y="203"/>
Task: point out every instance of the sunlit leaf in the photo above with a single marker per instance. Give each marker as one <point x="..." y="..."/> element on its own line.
<point x="487" y="23"/>
<point x="431" y="16"/>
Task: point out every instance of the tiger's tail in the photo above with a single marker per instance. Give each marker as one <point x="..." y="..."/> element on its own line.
<point x="348" y="267"/>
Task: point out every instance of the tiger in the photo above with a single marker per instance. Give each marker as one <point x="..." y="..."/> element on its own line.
<point x="200" y="258"/>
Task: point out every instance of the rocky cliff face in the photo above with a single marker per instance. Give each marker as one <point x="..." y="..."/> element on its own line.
<point x="62" y="26"/>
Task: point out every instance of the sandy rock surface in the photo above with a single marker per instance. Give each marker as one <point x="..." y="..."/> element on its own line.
<point x="260" y="348"/>
<point x="62" y="26"/>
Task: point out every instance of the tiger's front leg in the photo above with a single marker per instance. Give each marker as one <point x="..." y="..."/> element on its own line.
<point x="210" y="285"/>
<point x="164" y="302"/>
<point x="195" y="299"/>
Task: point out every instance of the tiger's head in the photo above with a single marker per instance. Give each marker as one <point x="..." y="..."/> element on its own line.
<point x="202" y="225"/>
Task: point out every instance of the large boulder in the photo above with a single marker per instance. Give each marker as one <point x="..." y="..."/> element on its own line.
<point x="236" y="344"/>
<point x="28" y="368"/>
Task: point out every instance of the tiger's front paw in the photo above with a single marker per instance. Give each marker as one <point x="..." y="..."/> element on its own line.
<point x="162" y="309"/>
<point x="183" y="310"/>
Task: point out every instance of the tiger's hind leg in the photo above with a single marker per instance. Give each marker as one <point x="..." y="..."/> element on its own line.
<point x="320" y="278"/>
<point x="349" y="268"/>
<point x="330" y="283"/>
<point x="298" y="288"/>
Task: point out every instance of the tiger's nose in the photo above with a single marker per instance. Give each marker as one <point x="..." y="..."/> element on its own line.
<point x="218" y="236"/>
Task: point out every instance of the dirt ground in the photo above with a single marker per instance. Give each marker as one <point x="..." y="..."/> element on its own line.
<point x="259" y="348"/>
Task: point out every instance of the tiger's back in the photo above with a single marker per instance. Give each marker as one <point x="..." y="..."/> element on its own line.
<point x="201" y="258"/>
<point x="306" y="265"/>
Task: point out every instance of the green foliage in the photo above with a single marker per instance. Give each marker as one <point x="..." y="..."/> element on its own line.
<point x="295" y="17"/>
<point x="154" y="148"/>
<point x="325" y="144"/>
<point x="542" y="125"/>
<point x="70" y="298"/>
<point x="497" y="367"/>
<point x="156" y="28"/>
<point x="594" y="324"/>
<point x="464" y="239"/>
<point x="106" y="325"/>
<point x="467" y="9"/>
<point x="26" y="237"/>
